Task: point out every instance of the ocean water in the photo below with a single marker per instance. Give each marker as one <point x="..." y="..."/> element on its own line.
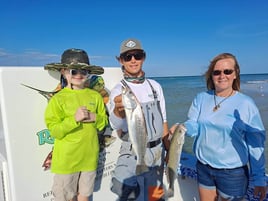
<point x="180" y="91"/>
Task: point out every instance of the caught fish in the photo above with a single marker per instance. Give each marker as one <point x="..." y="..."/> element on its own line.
<point x="47" y="162"/>
<point x="136" y="128"/>
<point x="174" y="155"/>
<point x="46" y="94"/>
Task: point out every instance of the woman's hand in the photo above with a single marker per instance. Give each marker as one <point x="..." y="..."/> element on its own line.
<point x="260" y="191"/>
<point x="173" y="128"/>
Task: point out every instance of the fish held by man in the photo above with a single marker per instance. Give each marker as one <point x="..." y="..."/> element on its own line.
<point x="136" y="128"/>
<point x="174" y="155"/>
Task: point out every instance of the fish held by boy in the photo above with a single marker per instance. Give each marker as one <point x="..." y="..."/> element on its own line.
<point x="174" y="155"/>
<point x="136" y="128"/>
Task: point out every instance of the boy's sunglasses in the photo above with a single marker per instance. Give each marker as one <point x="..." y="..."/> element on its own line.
<point x="80" y="71"/>
<point x="136" y="55"/>
<point x="225" y="71"/>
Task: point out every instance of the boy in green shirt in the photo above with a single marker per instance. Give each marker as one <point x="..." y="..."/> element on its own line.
<point x="74" y="116"/>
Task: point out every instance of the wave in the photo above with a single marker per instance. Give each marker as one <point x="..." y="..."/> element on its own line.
<point x="257" y="81"/>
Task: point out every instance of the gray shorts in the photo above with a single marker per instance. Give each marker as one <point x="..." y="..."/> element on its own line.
<point x="67" y="186"/>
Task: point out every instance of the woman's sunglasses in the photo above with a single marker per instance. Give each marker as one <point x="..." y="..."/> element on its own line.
<point x="79" y="71"/>
<point x="136" y="55"/>
<point x="225" y="71"/>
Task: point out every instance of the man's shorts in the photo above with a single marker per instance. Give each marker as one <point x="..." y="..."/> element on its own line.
<point x="67" y="186"/>
<point x="231" y="184"/>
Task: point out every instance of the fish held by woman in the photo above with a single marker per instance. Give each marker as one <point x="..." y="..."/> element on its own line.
<point x="174" y="155"/>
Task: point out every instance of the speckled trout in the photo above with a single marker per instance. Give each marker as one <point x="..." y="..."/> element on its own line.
<point x="174" y="155"/>
<point x="136" y="128"/>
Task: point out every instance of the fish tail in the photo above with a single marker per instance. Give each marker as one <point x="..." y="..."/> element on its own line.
<point x="170" y="192"/>
<point x="141" y="169"/>
<point x="171" y="179"/>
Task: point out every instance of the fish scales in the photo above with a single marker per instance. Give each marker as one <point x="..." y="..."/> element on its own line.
<point x="174" y="155"/>
<point x="136" y="128"/>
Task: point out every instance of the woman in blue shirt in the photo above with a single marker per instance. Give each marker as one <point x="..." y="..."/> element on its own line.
<point x="229" y="135"/>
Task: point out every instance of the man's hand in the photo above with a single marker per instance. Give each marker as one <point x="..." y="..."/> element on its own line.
<point x="166" y="143"/>
<point x="119" y="109"/>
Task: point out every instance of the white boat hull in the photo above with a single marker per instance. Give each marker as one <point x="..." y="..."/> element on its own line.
<point x="23" y="142"/>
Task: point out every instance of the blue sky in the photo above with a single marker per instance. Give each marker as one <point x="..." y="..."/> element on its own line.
<point x="180" y="37"/>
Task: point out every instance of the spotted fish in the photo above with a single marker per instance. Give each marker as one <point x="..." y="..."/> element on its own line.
<point x="136" y="128"/>
<point x="174" y="155"/>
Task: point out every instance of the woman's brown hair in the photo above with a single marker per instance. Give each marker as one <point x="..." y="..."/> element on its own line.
<point x="208" y="74"/>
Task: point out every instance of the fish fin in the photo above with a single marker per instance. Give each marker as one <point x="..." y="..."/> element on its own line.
<point x="141" y="169"/>
<point x="47" y="162"/>
<point x="46" y="94"/>
<point x="171" y="176"/>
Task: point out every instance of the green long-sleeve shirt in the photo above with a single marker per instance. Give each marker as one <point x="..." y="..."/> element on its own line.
<point x="76" y="145"/>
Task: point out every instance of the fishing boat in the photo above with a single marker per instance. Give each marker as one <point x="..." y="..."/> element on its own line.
<point x="25" y="141"/>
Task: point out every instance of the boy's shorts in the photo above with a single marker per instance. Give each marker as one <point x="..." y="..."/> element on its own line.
<point x="67" y="186"/>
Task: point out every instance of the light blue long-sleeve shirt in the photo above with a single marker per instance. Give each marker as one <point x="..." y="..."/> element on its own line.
<point x="229" y="137"/>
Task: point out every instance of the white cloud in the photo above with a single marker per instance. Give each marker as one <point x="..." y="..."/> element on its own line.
<point x="245" y="30"/>
<point x="26" y="58"/>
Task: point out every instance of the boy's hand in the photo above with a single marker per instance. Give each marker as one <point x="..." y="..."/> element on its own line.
<point x="83" y="115"/>
<point x="91" y="117"/>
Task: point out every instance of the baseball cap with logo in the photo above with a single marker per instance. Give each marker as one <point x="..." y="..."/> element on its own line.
<point x="130" y="44"/>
